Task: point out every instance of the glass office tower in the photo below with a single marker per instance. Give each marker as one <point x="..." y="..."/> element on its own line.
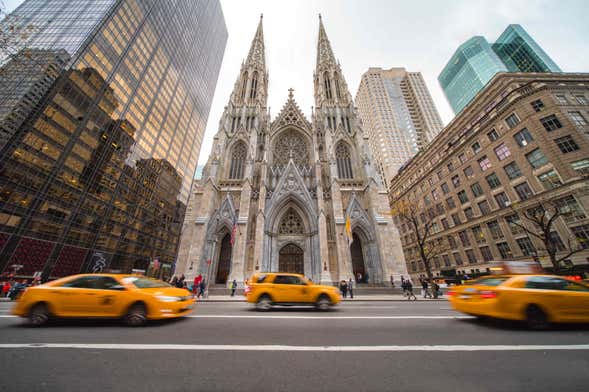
<point x="476" y="61"/>
<point x="100" y="131"/>
<point x="520" y="53"/>
<point x="473" y="64"/>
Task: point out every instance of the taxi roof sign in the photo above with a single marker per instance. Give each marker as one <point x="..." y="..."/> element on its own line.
<point x="512" y="267"/>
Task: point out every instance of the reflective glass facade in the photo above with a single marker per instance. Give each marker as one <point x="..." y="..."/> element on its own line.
<point x="468" y="71"/>
<point x="521" y="53"/>
<point x="100" y="132"/>
<point x="476" y="61"/>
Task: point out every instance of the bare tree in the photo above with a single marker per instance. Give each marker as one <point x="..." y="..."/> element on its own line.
<point x="423" y="227"/>
<point x="539" y="223"/>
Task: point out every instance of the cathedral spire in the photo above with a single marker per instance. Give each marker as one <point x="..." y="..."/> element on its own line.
<point x="256" y="57"/>
<point x="325" y="55"/>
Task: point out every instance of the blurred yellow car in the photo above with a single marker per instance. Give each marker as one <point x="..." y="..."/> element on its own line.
<point x="276" y="288"/>
<point x="537" y="299"/>
<point x="133" y="298"/>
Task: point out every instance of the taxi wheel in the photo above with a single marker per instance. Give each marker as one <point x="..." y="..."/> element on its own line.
<point x="536" y="318"/>
<point x="137" y="315"/>
<point x="264" y="303"/>
<point x="39" y="315"/>
<point x="323" y="303"/>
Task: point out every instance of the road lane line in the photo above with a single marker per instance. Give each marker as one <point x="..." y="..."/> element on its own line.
<point x="222" y="347"/>
<point x="408" y="317"/>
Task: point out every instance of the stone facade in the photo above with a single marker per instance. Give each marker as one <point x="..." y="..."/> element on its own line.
<point x="275" y="194"/>
<point x="523" y="142"/>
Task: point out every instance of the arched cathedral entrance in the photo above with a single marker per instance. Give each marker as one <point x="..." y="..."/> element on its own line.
<point x="291" y="259"/>
<point x="224" y="263"/>
<point x="358" y="265"/>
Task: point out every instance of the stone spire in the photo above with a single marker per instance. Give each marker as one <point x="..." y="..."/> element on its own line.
<point x="325" y="57"/>
<point x="256" y="57"/>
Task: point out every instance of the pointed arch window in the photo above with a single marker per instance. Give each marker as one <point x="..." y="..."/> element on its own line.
<point x="291" y="223"/>
<point x="238" y="155"/>
<point x="327" y="85"/>
<point x="244" y="86"/>
<point x="337" y="89"/>
<point x="344" y="161"/>
<point x="253" y="90"/>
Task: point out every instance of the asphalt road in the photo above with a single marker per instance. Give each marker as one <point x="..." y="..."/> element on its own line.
<point x="360" y="346"/>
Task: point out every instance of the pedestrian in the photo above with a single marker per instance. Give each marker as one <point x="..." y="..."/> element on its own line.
<point x="233" y="287"/>
<point x="174" y="281"/>
<point x="180" y="282"/>
<point x="351" y="287"/>
<point x="196" y="284"/>
<point x="358" y="277"/>
<point x="409" y="288"/>
<point x="436" y="289"/>
<point x="425" y="291"/>
<point x="366" y="277"/>
<point x="392" y="281"/>
<point x="343" y="286"/>
<point x="203" y="286"/>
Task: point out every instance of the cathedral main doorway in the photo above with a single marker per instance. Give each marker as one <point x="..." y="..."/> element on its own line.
<point x="224" y="264"/>
<point x="358" y="265"/>
<point x="290" y="259"/>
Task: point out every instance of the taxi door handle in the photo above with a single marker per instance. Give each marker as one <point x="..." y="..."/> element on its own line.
<point x="90" y="293"/>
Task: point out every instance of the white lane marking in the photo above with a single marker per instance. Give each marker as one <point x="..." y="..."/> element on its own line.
<point x="418" y="317"/>
<point x="222" y="347"/>
<point x="7" y="316"/>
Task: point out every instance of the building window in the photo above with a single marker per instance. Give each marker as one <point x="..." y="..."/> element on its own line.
<point x="451" y="242"/>
<point x="512" y="120"/>
<point x="472" y="259"/>
<point x="244" y="86"/>
<point x="570" y="209"/>
<point x="562" y="100"/>
<point x="464" y="238"/>
<point x="435" y="194"/>
<point x="457" y="258"/>
<point x="450" y="203"/>
<point x="492" y="135"/>
<point x="504" y="250"/>
<point x="484" y="163"/>
<point x="577" y="118"/>
<point x="445" y="223"/>
<point x="512" y="170"/>
<point x="486" y="253"/>
<point x="502" y="200"/>
<point x="484" y="207"/>
<point x="426" y="200"/>
<point x="238" y="156"/>
<point x="502" y="151"/>
<point x="581" y="167"/>
<point x="456" y="219"/>
<point x="566" y="144"/>
<point x="445" y="188"/>
<point x="440" y="208"/>
<point x="536" y="158"/>
<point x="551" y="122"/>
<point x="344" y="161"/>
<point x="476" y="189"/>
<point x="462" y="197"/>
<point x="468" y="172"/>
<point x="495" y="230"/>
<point x="327" y="86"/>
<point x="523" y="137"/>
<point x="468" y="213"/>
<point x="446" y="260"/>
<point x="556" y="241"/>
<point x="524" y="191"/>
<point x="478" y="235"/>
<point x="456" y="181"/>
<point x="493" y="181"/>
<point x="537" y="105"/>
<point x="581" y="99"/>
<point x="254" y="86"/>
<point x="476" y="147"/>
<point x="550" y="180"/>
<point x="582" y="235"/>
<point x="514" y="224"/>
<point x="525" y="244"/>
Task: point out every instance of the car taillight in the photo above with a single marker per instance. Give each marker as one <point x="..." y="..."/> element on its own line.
<point x="451" y="293"/>
<point x="246" y="290"/>
<point x="488" y="294"/>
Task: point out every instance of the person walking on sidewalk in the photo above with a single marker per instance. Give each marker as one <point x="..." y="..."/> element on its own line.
<point x="233" y="287"/>
<point x="425" y="289"/>
<point x="201" y="289"/>
<point x="351" y="287"/>
<point x="408" y="289"/>
<point x="343" y="286"/>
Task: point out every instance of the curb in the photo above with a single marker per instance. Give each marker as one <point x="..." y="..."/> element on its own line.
<point x="346" y="301"/>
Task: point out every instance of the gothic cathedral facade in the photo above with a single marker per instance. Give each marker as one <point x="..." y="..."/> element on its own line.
<point x="288" y="194"/>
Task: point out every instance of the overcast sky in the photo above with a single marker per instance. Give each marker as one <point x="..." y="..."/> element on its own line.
<point x="416" y="34"/>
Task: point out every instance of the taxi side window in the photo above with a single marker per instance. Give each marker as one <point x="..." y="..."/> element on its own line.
<point x="261" y="279"/>
<point x="548" y="283"/>
<point x="106" y="283"/>
<point x="85" y="282"/>
<point x="286" y="279"/>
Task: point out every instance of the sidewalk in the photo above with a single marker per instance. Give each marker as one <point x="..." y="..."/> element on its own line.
<point x="365" y="298"/>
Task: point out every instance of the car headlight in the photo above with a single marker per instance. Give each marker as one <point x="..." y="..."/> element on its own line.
<point x="165" y="298"/>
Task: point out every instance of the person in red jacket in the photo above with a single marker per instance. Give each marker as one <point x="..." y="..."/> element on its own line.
<point x="196" y="285"/>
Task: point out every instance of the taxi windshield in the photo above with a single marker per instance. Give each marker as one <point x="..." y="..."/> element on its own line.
<point x="145" y="283"/>
<point x="490" y="281"/>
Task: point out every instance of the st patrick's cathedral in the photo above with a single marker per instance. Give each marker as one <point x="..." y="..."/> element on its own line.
<point x="288" y="194"/>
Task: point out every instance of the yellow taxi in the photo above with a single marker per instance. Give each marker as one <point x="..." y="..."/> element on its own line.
<point x="133" y="298"/>
<point x="537" y="299"/>
<point x="267" y="289"/>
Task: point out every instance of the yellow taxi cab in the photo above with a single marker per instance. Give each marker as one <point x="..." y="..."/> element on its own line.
<point x="536" y="299"/>
<point x="133" y="298"/>
<point x="267" y="289"/>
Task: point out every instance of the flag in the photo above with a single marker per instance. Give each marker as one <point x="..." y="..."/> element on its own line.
<point x="349" y="231"/>
<point x="233" y="231"/>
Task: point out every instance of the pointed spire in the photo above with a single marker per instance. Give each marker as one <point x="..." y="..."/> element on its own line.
<point x="256" y="55"/>
<point x="324" y="53"/>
